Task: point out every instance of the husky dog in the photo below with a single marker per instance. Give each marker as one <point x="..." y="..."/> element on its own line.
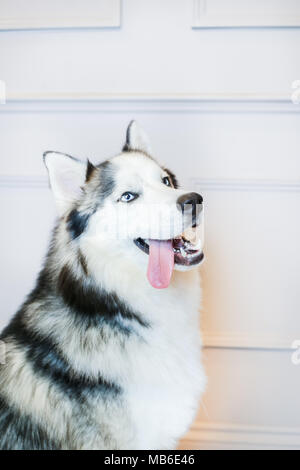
<point x="105" y="351"/>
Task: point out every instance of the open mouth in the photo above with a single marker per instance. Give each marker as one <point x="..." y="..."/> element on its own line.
<point x="164" y="254"/>
<point x="185" y="253"/>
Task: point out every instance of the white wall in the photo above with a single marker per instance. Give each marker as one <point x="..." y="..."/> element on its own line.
<point x="216" y="103"/>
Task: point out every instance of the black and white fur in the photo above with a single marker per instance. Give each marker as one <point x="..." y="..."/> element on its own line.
<point x="96" y="358"/>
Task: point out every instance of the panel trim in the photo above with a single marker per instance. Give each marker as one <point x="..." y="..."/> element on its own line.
<point x="112" y="20"/>
<point x="23" y="182"/>
<point x="150" y="102"/>
<point x="255" y="184"/>
<point x="235" y="340"/>
<point x="203" y="19"/>
<point x="112" y="96"/>
<point x="228" y="434"/>
<point x="38" y="181"/>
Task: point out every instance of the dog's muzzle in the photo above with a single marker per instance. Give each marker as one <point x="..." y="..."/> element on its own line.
<point x="183" y="250"/>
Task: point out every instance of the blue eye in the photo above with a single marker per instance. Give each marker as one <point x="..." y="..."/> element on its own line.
<point x="128" y="196"/>
<point x="166" y="181"/>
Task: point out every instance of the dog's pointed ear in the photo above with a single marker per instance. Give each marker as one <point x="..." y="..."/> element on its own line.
<point x="136" y="139"/>
<point x="67" y="176"/>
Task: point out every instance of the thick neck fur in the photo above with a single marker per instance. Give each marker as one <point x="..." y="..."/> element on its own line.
<point x="67" y="278"/>
<point x="83" y="297"/>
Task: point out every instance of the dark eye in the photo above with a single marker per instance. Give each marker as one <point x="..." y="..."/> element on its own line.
<point x="166" y="181"/>
<point x="128" y="196"/>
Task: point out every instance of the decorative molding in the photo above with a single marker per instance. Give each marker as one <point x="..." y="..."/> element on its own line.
<point x="221" y="184"/>
<point x="245" y="13"/>
<point x="228" y="340"/>
<point x="226" y="435"/>
<point x="240" y="184"/>
<point x="150" y="102"/>
<point x="57" y="14"/>
<point x="158" y="96"/>
<point x="23" y="182"/>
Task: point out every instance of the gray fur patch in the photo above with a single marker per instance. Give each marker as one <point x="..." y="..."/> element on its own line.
<point x="107" y="181"/>
<point x="19" y="432"/>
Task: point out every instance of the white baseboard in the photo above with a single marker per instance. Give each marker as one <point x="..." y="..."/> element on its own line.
<point x="233" y="436"/>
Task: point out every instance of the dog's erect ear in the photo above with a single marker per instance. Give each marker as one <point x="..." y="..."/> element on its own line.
<point x="67" y="175"/>
<point x="136" y="139"/>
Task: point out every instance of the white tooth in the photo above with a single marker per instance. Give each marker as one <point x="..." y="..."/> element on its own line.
<point x="193" y="235"/>
<point x="189" y="233"/>
<point x="183" y="252"/>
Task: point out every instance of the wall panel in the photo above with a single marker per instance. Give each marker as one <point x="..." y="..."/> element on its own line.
<point x="217" y="106"/>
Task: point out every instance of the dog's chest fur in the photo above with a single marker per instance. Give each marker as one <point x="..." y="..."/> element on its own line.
<point x="166" y="381"/>
<point x="159" y="366"/>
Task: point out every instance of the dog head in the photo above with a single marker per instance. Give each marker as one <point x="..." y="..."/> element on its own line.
<point x="129" y="206"/>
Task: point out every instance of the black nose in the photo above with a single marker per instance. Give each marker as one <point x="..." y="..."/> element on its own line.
<point x="190" y="203"/>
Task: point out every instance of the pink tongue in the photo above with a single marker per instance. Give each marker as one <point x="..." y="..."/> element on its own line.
<point x="161" y="263"/>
